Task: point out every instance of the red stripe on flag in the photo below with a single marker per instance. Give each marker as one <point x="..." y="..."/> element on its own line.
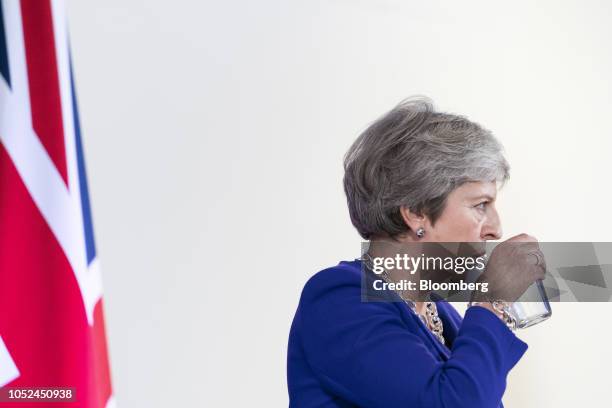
<point x="42" y="316"/>
<point x="43" y="80"/>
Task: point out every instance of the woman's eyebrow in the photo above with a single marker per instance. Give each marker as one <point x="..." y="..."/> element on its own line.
<point x="487" y="196"/>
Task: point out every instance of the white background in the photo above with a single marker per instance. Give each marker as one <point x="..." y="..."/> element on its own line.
<point x="214" y="135"/>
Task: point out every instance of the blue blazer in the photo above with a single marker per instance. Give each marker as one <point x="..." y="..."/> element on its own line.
<point x="347" y="353"/>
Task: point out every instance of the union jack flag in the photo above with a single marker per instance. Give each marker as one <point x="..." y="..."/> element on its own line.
<point x="51" y="318"/>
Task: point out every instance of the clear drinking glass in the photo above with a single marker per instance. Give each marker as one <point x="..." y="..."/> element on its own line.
<point x="534" y="310"/>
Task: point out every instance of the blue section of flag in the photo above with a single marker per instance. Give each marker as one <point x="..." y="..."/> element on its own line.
<point x="90" y="245"/>
<point x="4" y="65"/>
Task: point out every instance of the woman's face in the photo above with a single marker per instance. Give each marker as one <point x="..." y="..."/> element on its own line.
<point x="469" y="216"/>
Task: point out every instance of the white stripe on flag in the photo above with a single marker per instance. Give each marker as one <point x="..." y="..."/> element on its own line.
<point x="111" y="402"/>
<point x="8" y="369"/>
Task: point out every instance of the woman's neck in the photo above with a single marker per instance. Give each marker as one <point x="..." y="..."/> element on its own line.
<point x="394" y="249"/>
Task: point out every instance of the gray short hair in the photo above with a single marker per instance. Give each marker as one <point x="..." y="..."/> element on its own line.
<point x="414" y="156"/>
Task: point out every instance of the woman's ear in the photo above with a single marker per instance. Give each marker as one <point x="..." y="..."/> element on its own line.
<point x="413" y="220"/>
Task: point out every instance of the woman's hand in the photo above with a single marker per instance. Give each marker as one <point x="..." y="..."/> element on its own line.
<point x="513" y="266"/>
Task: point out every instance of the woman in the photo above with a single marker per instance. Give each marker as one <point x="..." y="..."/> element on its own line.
<point x="415" y="175"/>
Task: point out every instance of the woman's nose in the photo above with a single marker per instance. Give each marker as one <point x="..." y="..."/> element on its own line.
<point x="492" y="229"/>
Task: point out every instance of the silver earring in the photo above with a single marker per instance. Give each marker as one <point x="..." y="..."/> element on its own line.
<point x="420" y="233"/>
